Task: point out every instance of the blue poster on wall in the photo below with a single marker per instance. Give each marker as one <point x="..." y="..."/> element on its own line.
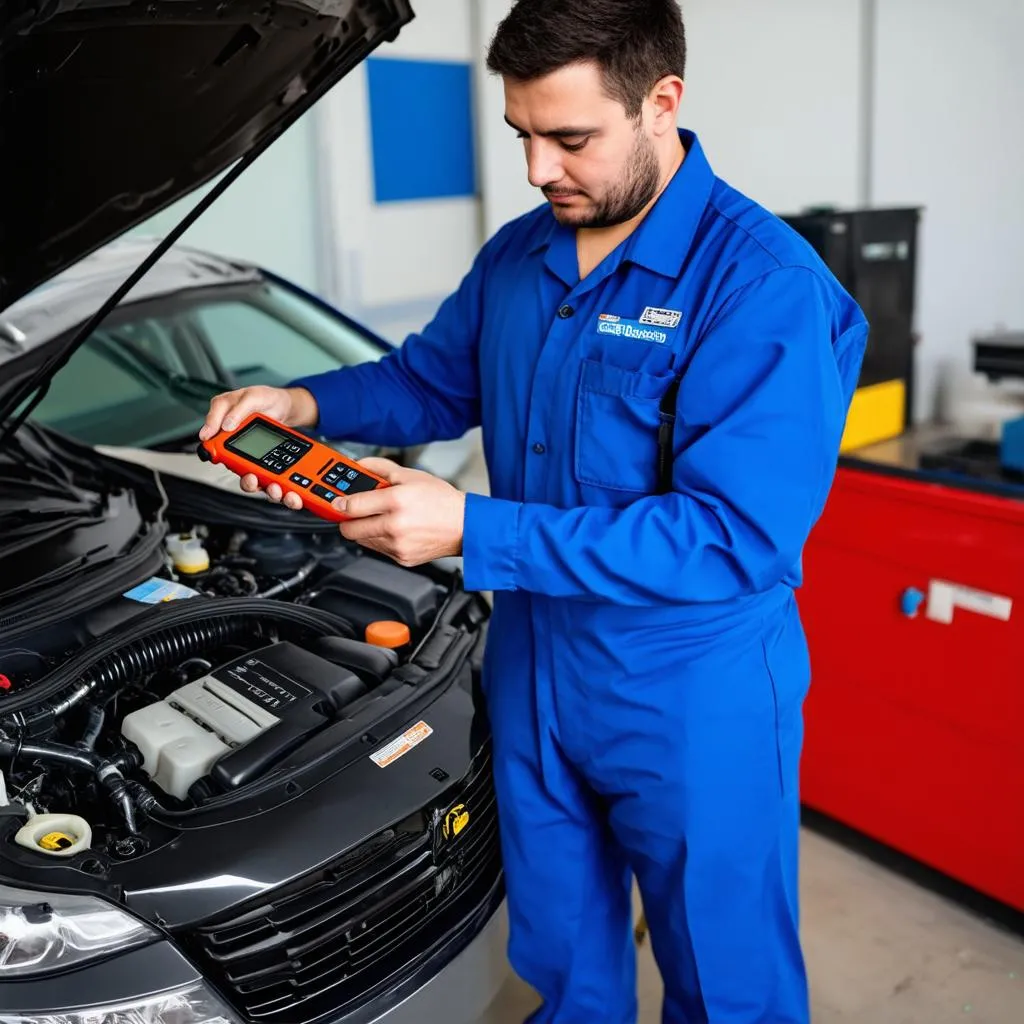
<point x="421" y="126"/>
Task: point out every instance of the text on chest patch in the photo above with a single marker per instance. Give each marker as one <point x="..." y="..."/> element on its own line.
<point x="634" y="330"/>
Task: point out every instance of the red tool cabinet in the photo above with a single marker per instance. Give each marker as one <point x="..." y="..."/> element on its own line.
<point x="914" y="611"/>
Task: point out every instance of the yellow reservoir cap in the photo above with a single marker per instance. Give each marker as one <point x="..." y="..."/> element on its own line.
<point x="56" y="841"/>
<point x="388" y="634"/>
<point x="188" y="555"/>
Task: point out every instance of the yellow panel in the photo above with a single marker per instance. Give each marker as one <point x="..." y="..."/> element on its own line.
<point x="876" y="413"/>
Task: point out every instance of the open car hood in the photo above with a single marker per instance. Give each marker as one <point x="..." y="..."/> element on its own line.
<point x="111" y="110"/>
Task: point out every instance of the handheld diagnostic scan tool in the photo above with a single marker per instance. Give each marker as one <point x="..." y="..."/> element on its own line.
<point x="274" y="453"/>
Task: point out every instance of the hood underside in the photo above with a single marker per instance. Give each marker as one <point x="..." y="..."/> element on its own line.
<point x="110" y="110"/>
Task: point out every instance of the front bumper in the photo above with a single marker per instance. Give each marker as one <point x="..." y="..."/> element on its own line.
<point x="462" y="991"/>
<point x="455" y="991"/>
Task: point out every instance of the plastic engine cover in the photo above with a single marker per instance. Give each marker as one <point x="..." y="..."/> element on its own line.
<point x="235" y="722"/>
<point x="368" y="589"/>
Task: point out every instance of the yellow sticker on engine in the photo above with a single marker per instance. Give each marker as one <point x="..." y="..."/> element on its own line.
<point x="412" y="737"/>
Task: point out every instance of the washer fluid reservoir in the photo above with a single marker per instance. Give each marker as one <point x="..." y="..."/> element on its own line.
<point x="188" y="555"/>
<point x="55" y="835"/>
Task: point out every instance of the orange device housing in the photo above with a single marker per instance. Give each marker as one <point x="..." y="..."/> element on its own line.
<point x="274" y="453"/>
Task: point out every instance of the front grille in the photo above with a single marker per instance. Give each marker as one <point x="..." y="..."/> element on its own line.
<point x="336" y="938"/>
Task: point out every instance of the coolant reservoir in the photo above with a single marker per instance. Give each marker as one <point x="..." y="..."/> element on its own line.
<point x="56" y="835"/>
<point x="386" y="633"/>
<point x="187" y="553"/>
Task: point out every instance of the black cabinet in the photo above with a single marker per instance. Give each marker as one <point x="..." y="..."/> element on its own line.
<point x="873" y="254"/>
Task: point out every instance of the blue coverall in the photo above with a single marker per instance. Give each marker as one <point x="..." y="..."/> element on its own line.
<point x="646" y="664"/>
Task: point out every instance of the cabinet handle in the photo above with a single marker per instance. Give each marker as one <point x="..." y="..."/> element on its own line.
<point x="910" y="601"/>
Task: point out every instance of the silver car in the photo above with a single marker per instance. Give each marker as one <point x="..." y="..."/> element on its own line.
<point x="221" y="800"/>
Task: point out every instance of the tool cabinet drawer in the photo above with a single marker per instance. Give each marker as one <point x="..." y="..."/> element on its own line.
<point x="914" y="611"/>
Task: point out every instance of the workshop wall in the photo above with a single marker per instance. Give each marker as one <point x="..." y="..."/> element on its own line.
<point x="397" y="154"/>
<point x="505" y="191"/>
<point x="773" y="91"/>
<point x="949" y="99"/>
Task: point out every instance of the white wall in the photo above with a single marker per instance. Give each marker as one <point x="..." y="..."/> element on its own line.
<point x="506" y="193"/>
<point x="395" y="262"/>
<point x="949" y="100"/>
<point x="773" y="90"/>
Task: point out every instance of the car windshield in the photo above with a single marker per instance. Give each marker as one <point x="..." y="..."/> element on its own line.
<point x="146" y="375"/>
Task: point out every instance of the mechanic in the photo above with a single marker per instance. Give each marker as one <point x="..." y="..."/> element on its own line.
<point x="646" y="664"/>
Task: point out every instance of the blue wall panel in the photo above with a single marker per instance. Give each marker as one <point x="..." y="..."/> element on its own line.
<point x="421" y="127"/>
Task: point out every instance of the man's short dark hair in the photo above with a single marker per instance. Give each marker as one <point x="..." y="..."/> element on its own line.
<point x="634" y="42"/>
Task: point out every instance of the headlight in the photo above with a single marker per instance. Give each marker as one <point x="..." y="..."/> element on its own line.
<point x="43" y="932"/>
<point x="192" y="1005"/>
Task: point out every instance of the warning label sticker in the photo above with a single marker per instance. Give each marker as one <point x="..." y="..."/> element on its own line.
<point x="400" y="746"/>
<point x="157" y="591"/>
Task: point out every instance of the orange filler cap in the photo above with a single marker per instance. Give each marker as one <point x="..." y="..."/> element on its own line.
<point x="388" y="634"/>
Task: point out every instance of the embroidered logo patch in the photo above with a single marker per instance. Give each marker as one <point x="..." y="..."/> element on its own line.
<point x="634" y="330"/>
<point x="660" y="317"/>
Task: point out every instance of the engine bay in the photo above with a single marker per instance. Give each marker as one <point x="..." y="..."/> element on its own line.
<point x="126" y="711"/>
<point x="219" y="726"/>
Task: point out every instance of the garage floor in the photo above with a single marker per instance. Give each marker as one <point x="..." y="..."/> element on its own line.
<point x="880" y="948"/>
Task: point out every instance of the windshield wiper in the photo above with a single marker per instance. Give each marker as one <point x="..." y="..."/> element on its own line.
<point x="125" y="351"/>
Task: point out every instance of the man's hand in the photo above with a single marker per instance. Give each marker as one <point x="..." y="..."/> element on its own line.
<point x="295" y="407"/>
<point x="415" y="520"/>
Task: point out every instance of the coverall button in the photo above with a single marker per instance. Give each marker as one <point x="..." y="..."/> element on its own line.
<point x="538" y="448"/>
<point x="565" y="311"/>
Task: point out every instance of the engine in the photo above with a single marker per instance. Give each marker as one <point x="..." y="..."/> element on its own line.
<point x="240" y="718"/>
<point x="196" y="683"/>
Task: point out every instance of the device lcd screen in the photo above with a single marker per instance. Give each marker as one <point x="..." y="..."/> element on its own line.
<point x="257" y="441"/>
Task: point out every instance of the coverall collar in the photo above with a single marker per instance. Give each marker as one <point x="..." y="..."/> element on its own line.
<point x="663" y="238"/>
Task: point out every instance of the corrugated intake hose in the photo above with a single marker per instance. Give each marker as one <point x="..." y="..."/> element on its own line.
<point x="160" y="638"/>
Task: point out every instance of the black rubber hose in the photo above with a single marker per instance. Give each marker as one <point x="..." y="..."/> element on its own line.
<point x="84" y="759"/>
<point x="93" y="728"/>
<point x="107" y="772"/>
<point x="127" y="760"/>
<point x="148" y="804"/>
<point x="121" y="795"/>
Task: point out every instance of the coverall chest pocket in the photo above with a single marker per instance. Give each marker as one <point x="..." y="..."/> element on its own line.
<point x="617" y="420"/>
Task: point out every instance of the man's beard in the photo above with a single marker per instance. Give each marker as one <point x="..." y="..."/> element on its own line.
<point x="625" y="200"/>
